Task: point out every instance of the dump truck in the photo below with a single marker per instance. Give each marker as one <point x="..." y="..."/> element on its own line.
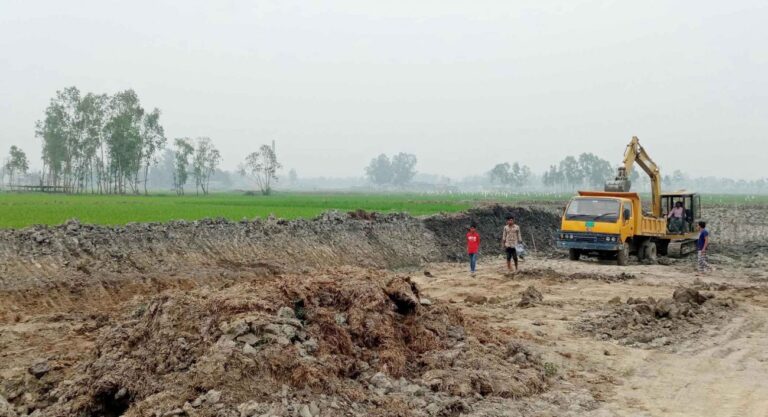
<point x="613" y="224"/>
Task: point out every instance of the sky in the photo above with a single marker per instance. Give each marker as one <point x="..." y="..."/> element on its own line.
<point x="463" y="85"/>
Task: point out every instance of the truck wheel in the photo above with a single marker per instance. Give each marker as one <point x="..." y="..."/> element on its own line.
<point x="622" y="256"/>
<point x="649" y="251"/>
<point x="574" y="254"/>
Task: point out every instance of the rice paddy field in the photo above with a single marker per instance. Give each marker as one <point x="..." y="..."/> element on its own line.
<point x="19" y="210"/>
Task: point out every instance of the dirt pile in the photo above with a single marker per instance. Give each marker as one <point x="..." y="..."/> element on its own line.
<point x="530" y="297"/>
<point x="341" y="342"/>
<point x="538" y="228"/>
<point x="646" y="322"/>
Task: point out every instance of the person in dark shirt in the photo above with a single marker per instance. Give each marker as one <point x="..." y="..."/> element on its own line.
<point x="701" y="249"/>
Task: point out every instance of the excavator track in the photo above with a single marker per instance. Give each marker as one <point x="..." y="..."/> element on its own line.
<point x="681" y="248"/>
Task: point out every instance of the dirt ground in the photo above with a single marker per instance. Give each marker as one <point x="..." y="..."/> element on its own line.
<point x="148" y="325"/>
<point x="717" y="367"/>
<point x="720" y="370"/>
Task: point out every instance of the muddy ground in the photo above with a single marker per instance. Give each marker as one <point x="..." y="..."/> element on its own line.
<point x="134" y="325"/>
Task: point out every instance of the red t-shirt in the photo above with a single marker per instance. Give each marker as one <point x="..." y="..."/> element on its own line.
<point x="473" y="242"/>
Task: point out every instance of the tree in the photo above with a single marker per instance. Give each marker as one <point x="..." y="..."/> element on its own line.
<point x="262" y="167"/>
<point x="152" y="141"/>
<point x="553" y="177"/>
<point x="55" y="130"/>
<point x="124" y="139"/>
<point x="379" y="171"/>
<point x="292" y="176"/>
<point x="184" y="150"/>
<point x="515" y="175"/>
<point x="17" y="162"/>
<point x="92" y="118"/>
<point x="519" y="175"/>
<point x="204" y="163"/>
<point x="499" y="173"/>
<point x="595" y="171"/>
<point x="571" y="171"/>
<point x="403" y="168"/>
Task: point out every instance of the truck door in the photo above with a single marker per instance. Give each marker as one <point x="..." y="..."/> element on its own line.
<point x="627" y="217"/>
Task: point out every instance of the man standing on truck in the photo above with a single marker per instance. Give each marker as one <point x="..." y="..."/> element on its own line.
<point x="701" y="249"/>
<point x="473" y="246"/>
<point x="510" y="238"/>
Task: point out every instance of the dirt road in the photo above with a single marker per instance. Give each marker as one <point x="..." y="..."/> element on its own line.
<point x="720" y="371"/>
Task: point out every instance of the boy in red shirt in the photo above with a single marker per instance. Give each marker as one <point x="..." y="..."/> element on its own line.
<point x="473" y="244"/>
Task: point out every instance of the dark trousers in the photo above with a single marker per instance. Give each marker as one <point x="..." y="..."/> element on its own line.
<point x="512" y="254"/>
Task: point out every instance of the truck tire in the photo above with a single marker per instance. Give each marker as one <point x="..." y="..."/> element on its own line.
<point x="649" y="251"/>
<point x="622" y="256"/>
<point x="574" y="254"/>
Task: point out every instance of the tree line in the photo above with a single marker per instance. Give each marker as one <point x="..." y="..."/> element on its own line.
<point x="98" y="142"/>
<point x="107" y="144"/>
<point x="586" y="169"/>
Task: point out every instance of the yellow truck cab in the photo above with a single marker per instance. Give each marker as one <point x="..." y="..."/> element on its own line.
<point x="612" y="225"/>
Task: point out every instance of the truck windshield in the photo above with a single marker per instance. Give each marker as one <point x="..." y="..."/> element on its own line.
<point x="593" y="209"/>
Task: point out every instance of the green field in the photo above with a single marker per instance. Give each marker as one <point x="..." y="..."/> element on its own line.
<point x="20" y="210"/>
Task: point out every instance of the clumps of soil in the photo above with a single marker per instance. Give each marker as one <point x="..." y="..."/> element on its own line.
<point x="361" y="214"/>
<point x="647" y="322"/>
<point x="539" y="273"/>
<point x="534" y="273"/>
<point x="530" y="297"/>
<point x="620" y="277"/>
<point x="326" y="344"/>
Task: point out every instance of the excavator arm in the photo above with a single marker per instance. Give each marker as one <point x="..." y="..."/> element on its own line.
<point x="636" y="154"/>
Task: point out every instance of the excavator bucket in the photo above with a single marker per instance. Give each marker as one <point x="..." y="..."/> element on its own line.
<point x="618" y="185"/>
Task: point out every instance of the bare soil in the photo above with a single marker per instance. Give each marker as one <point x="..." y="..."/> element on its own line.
<point x="156" y="324"/>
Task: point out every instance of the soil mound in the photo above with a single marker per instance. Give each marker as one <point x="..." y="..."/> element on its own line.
<point x="538" y="228"/>
<point x="530" y="297"/>
<point x="42" y="255"/>
<point x="646" y="322"/>
<point x="342" y="342"/>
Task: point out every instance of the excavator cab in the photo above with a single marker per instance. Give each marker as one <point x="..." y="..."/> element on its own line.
<point x="691" y="204"/>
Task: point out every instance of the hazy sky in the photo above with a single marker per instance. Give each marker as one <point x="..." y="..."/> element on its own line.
<point x="461" y="84"/>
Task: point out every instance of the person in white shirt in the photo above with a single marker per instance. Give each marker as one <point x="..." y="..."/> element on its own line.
<point x="509" y="241"/>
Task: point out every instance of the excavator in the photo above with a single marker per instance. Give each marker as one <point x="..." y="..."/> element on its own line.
<point x="613" y="224"/>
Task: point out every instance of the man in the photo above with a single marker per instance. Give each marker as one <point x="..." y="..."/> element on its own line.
<point x="701" y="246"/>
<point x="473" y="245"/>
<point x="676" y="218"/>
<point x="509" y="241"/>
